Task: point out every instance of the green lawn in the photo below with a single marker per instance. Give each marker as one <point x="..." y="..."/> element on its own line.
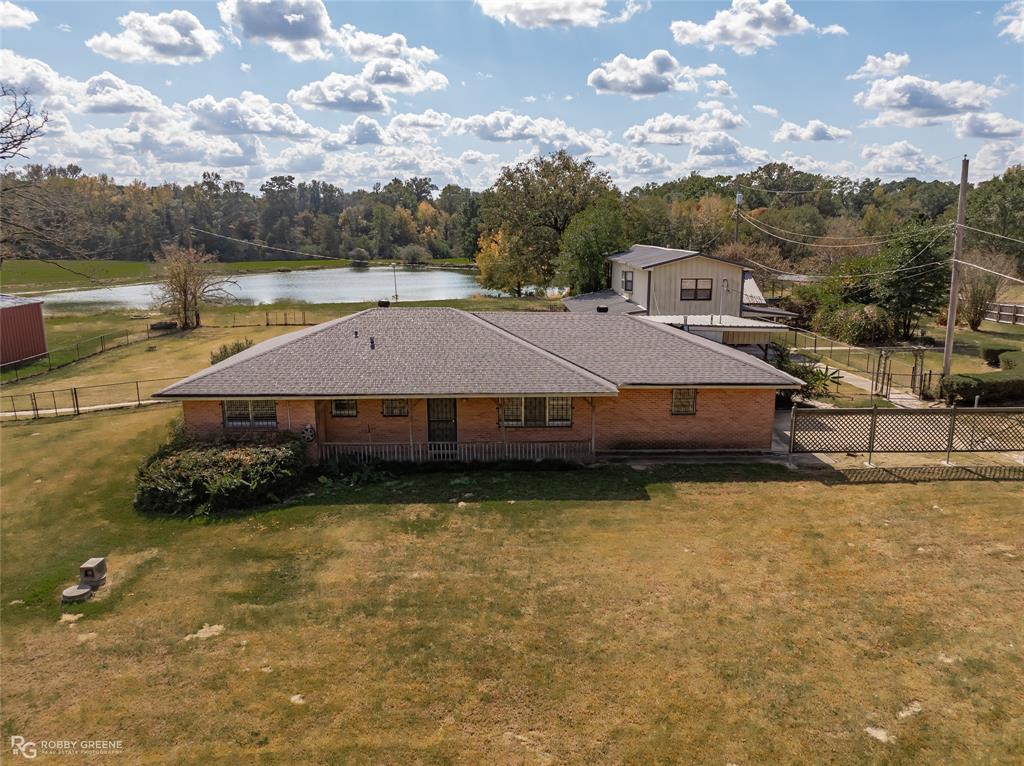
<point x="696" y="614"/>
<point x="22" y="275"/>
<point x="182" y="354"/>
<point x="25" y="275"/>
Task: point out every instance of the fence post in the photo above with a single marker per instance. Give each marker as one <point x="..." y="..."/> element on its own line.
<point x="267" y="317"/>
<point x="138" y="396"/>
<point x="103" y="343"/>
<point x="792" y="429"/>
<point x="871" y="436"/>
<point x="35" y="405"/>
<point x="14" y="408"/>
<point x="53" y="395"/>
<point x="49" y="362"/>
<point x="74" y="401"/>
<point x="952" y="433"/>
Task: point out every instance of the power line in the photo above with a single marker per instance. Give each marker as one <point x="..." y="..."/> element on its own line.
<point x="990" y="271"/>
<point x="757" y="226"/>
<point x="879" y="239"/>
<point x="991" y="233"/>
<point x="266" y="247"/>
<point x="865" y="274"/>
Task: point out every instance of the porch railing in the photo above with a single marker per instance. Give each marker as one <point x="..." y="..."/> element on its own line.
<point x="458" y="452"/>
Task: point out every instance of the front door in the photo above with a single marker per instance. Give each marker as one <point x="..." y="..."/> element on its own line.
<point x="442" y="425"/>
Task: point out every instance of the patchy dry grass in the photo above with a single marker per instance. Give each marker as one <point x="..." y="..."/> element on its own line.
<point x="677" y="614"/>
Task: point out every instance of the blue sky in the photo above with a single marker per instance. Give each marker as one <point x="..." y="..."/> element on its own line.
<point x="360" y="92"/>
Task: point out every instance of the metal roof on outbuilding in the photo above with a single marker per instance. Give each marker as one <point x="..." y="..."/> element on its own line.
<point x="16" y="300"/>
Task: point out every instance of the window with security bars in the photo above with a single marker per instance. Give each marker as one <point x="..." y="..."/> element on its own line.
<point x="559" y="411"/>
<point x="684" y="401"/>
<point x="395" y="408"/>
<point x="695" y="289"/>
<point x="536" y="411"/>
<point x="250" y="413"/>
<point x="344" y="408"/>
<point x="627" y="281"/>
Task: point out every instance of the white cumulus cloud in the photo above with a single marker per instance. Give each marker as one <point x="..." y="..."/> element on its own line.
<point x="762" y="109"/>
<point x="988" y="125"/>
<point x="533" y="14"/>
<point x="344" y="92"/>
<point x="747" y="26"/>
<point x="657" y="72"/>
<point x="1011" y="17"/>
<point x="899" y="160"/>
<point x="175" y="37"/>
<point x="546" y="134"/>
<point x="15" y="17"/>
<point x="911" y="101"/>
<point x="301" y="29"/>
<point x="814" y="130"/>
<point x="250" y="113"/>
<point x="886" y="65"/>
<point x="682" y="128"/>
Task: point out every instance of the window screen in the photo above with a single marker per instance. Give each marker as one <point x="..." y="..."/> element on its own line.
<point x="559" y="410"/>
<point x="684" y="401"/>
<point x="695" y="289"/>
<point x="250" y="413"/>
<point x="512" y="412"/>
<point x="395" y="408"/>
<point x="627" y="281"/>
<point x="344" y="408"/>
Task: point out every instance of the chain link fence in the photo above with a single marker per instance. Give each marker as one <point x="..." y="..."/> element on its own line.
<point x="65" y="355"/>
<point x="58" y="402"/>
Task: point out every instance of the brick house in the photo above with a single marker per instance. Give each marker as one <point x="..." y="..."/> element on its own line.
<point x="416" y="384"/>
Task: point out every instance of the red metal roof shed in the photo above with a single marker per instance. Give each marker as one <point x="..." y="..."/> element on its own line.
<point x="22" y="334"/>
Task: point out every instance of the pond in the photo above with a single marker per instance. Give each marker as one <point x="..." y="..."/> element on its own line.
<point x="340" y="285"/>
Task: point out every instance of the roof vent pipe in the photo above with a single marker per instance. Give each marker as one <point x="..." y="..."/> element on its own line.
<point x="602" y="309"/>
<point x="373" y="343"/>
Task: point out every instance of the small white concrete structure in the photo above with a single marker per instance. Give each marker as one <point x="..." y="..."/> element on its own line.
<point x="92" y="575"/>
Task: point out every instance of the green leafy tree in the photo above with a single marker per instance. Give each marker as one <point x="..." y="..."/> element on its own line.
<point x="998" y="206"/>
<point x="532" y="203"/>
<point x="592" y="235"/>
<point x="906" y="292"/>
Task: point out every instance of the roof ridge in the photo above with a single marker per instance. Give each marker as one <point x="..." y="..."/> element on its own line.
<point x="538" y="349"/>
<point x="718" y="348"/>
<point x="269" y="345"/>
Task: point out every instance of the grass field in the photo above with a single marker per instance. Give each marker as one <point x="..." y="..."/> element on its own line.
<point x="183" y="354"/>
<point x="24" y="275"/>
<point x="669" y="615"/>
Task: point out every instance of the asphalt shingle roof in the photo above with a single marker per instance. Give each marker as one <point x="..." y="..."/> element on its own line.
<point x="588" y="302"/>
<point x="629" y="350"/>
<point x="645" y="256"/>
<point x="393" y="352"/>
<point x="445" y="352"/>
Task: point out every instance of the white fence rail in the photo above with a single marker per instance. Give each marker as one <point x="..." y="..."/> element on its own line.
<point x="457" y="452"/>
<point x="1005" y="313"/>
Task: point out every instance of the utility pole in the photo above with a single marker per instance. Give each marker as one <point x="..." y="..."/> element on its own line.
<point x="739" y="201"/>
<point x="954" y="274"/>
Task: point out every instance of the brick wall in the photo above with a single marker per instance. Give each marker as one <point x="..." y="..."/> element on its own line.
<point x="635" y="419"/>
<point x="478" y="422"/>
<point x="370" y="425"/>
<point x="726" y="419"/>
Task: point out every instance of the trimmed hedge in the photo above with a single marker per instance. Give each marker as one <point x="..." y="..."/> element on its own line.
<point x="204" y="479"/>
<point x="991" y="354"/>
<point x="993" y="387"/>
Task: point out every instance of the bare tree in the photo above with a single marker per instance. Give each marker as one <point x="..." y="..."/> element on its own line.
<point x="19" y="122"/>
<point x="189" y="284"/>
<point x="980" y="288"/>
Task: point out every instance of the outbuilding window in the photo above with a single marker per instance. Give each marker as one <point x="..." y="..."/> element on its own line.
<point x="695" y="289"/>
<point x="627" y="281"/>
<point x="536" y="411"/>
<point x="684" y="401"/>
<point x="250" y="413"/>
<point x="395" y="408"/>
<point x="344" y="408"/>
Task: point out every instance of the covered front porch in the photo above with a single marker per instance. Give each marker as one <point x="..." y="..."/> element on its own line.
<point x="456" y="429"/>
